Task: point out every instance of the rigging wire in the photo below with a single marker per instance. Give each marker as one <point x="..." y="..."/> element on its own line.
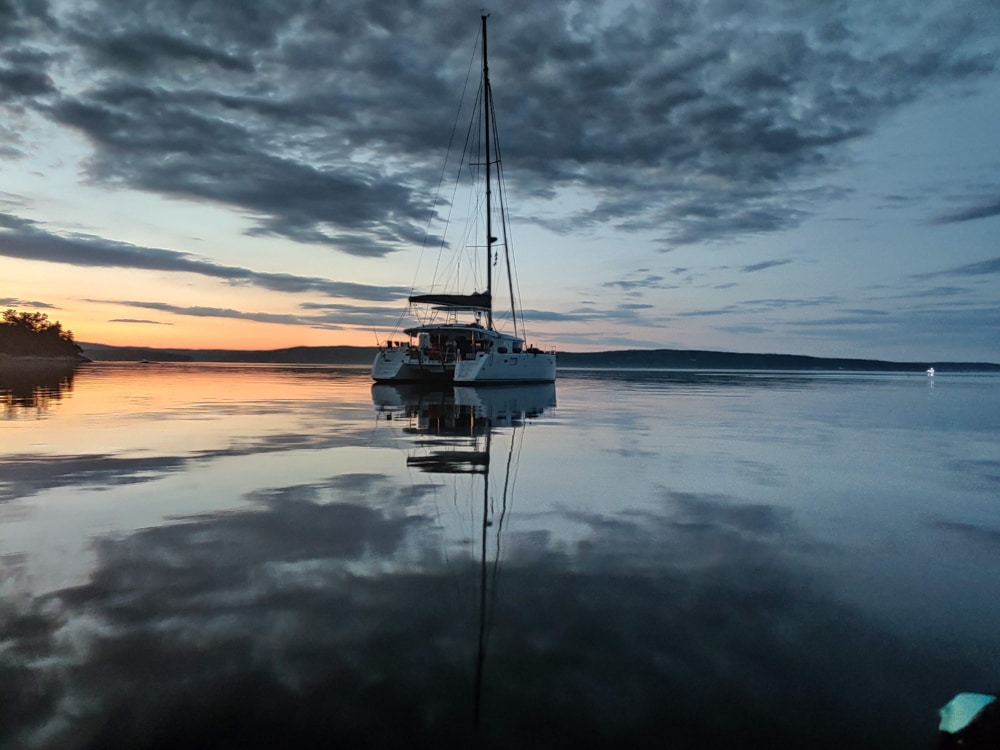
<point x="444" y="169"/>
<point x="505" y="226"/>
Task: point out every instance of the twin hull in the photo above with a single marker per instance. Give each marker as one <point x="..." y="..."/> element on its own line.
<point x="399" y="365"/>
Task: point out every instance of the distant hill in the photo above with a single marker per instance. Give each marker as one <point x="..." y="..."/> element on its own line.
<point x="305" y="355"/>
<point x="710" y="360"/>
<point x="693" y="359"/>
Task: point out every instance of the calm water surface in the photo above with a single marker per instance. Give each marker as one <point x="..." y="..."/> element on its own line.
<point x="259" y="556"/>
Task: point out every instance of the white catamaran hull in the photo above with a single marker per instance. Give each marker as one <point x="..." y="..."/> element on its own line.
<point x="523" y="367"/>
<point x="400" y="366"/>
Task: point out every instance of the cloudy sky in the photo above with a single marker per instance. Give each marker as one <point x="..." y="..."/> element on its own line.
<point x="803" y="177"/>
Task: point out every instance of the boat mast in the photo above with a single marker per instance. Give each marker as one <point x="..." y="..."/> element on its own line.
<point x="487" y="114"/>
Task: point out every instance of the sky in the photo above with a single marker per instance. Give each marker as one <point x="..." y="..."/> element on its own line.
<point x="818" y="178"/>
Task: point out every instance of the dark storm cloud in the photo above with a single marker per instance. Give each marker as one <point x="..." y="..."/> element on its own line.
<point x="149" y="142"/>
<point x="142" y="49"/>
<point x="23" y="82"/>
<point x="25" y="239"/>
<point x="326" y="121"/>
<point x="23" y="18"/>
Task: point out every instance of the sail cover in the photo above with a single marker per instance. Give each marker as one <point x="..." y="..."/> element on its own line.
<point x="475" y="301"/>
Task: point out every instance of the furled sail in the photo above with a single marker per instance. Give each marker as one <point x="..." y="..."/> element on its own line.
<point x="475" y="301"/>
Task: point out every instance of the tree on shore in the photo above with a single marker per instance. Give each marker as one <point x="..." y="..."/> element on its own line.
<point x="33" y="334"/>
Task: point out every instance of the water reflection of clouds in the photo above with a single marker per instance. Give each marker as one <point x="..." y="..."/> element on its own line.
<point x="23" y="475"/>
<point x="313" y="618"/>
<point x="985" y="471"/>
<point x="266" y="591"/>
<point x="977" y="533"/>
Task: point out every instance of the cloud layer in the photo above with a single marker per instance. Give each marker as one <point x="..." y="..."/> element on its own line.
<point x="326" y="121"/>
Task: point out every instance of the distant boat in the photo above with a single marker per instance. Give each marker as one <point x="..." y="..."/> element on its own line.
<point x="930" y="372"/>
<point x="472" y="352"/>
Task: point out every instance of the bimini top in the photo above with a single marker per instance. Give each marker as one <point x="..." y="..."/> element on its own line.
<point x="449" y="328"/>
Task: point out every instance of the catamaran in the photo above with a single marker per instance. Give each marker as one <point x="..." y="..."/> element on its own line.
<point x="473" y="351"/>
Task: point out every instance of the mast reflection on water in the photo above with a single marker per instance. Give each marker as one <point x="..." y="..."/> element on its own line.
<point x="452" y="432"/>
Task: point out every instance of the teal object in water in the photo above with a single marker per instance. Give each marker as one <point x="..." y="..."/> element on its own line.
<point x="957" y="714"/>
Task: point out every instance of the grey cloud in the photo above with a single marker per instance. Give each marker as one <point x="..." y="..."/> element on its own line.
<point x="550" y="316"/>
<point x="20" y="19"/>
<point x="148" y="142"/>
<point x="753" y="306"/>
<point x="334" y="317"/>
<point x="726" y="310"/>
<point x="218" y="312"/>
<point x="743" y="329"/>
<point x="634" y="306"/>
<point x="781" y="303"/>
<point x="699" y="123"/>
<point x="941" y="330"/>
<point x="23" y="82"/>
<point x="763" y="265"/>
<point x="141" y="49"/>
<point x="970" y="213"/>
<point x="22" y="238"/>
<point x="18" y="302"/>
<point x="649" y="281"/>
<point x="139" y="320"/>
<point x="941" y="292"/>
<point x="981" y="268"/>
<point x="838" y="321"/>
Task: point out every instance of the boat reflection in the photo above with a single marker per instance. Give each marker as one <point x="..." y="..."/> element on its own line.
<point x="452" y="432"/>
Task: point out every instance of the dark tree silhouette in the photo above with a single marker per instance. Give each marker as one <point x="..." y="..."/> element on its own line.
<point x="33" y="334"/>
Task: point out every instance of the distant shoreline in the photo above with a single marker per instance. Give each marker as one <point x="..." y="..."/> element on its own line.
<point x="36" y="363"/>
<point x="683" y="359"/>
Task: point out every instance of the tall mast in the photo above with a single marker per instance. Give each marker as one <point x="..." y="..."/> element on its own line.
<point x="487" y="114"/>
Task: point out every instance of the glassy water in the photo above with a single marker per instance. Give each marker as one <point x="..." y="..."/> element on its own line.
<point x="258" y="556"/>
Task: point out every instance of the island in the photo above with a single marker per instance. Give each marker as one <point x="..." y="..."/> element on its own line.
<point x="29" y="340"/>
